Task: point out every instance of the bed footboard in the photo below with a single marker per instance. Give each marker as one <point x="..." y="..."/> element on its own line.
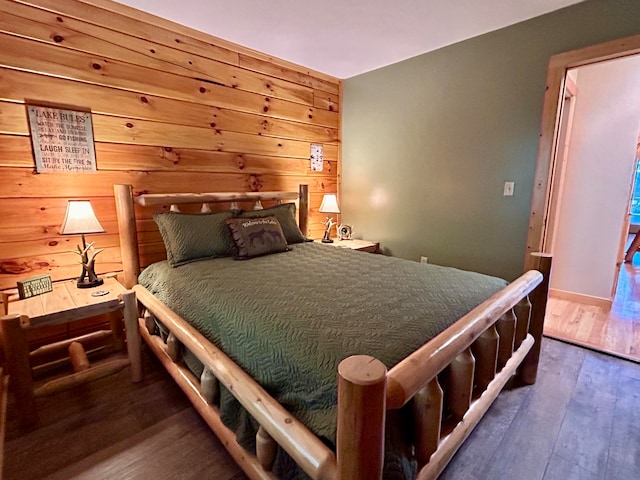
<point x="451" y="381"/>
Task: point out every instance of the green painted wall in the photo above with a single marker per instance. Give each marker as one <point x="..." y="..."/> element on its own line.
<point x="429" y="142"/>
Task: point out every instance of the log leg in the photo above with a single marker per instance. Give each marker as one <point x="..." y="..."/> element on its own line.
<point x="117" y="333"/>
<point x="16" y="351"/>
<point x="529" y="371"/>
<point x="134" y="350"/>
<point x="361" y="418"/>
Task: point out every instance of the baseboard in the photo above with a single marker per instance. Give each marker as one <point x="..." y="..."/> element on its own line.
<point x="581" y="298"/>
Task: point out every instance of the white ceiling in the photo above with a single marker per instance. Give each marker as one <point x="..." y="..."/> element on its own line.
<point x="344" y="38"/>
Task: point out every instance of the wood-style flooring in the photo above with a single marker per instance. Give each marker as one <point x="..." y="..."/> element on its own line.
<point x="579" y="421"/>
<point x="615" y="331"/>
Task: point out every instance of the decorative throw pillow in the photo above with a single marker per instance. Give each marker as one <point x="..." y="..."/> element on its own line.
<point x="257" y="236"/>
<point x="195" y="237"/>
<point x="286" y="215"/>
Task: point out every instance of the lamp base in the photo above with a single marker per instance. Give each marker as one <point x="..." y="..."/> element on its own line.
<point x="327" y="240"/>
<point x="86" y="283"/>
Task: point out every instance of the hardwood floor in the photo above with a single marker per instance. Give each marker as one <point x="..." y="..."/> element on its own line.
<point x="615" y="331"/>
<point x="579" y="421"/>
<point x="114" y="429"/>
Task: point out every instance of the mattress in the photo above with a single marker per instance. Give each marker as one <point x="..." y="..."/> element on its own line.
<point x="288" y="320"/>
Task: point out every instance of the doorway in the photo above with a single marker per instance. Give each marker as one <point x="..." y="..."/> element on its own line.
<point x="587" y="321"/>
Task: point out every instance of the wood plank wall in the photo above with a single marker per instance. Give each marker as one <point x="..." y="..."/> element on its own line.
<point x="173" y="110"/>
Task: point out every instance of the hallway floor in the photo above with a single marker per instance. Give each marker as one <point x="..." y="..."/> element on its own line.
<point x="615" y="331"/>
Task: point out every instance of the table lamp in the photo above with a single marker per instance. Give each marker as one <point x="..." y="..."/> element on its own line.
<point x="329" y="205"/>
<point x="80" y="220"/>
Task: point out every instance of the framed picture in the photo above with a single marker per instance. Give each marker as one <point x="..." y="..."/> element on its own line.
<point x="344" y="232"/>
<point x="62" y="139"/>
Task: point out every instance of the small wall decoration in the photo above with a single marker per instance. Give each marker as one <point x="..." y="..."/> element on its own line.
<point x="62" y="139"/>
<point x="316" y="157"/>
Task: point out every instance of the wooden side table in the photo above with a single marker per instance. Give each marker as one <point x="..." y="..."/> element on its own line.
<point x="355" y="244"/>
<point x="66" y="303"/>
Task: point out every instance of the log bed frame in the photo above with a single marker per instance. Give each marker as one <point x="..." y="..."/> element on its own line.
<point x="461" y="371"/>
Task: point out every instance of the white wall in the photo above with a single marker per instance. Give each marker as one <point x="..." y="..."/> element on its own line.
<point x="599" y="171"/>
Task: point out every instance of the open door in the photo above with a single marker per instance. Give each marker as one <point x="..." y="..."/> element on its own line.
<point x="561" y="157"/>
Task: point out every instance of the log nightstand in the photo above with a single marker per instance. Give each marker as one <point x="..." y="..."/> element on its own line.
<point x="66" y="303"/>
<point x="355" y="244"/>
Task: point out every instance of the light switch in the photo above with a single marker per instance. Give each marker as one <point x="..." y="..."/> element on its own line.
<point x="509" y="188"/>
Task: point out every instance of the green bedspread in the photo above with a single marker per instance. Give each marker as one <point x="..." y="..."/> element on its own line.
<point x="289" y="319"/>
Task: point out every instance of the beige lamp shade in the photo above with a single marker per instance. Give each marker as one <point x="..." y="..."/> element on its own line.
<point x="329" y="204"/>
<point x="80" y="219"/>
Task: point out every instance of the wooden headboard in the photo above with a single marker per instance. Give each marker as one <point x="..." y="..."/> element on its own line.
<point x="125" y="208"/>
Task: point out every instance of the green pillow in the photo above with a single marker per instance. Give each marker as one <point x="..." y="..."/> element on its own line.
<point x="286" y="215"/>
<point x="194" y="237"/>
<point x="257" y="236"/>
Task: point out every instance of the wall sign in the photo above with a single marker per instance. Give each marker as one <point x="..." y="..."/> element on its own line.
<point x="62" y="139"/>
<point x="316" y="157"/>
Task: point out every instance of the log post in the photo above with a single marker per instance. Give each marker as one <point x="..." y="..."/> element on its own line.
<point x="150" y="322"/>
<point x="506" y="327"/>
<point x="485" y="351"/>
<point x="361" y="418"/>
<point x="132" y="332"/>
<point x="174" y="347"/>
<point x="529" y="371"/>
<point x="303" y="209"/>
<point x="117" y="332"/>
<point x="523" y="314"/>
<point x="460" y="383"/>
<point x="266" y="448"/>
<point x="427" y="420"/>
<point x="16" y="350"/>
<point x="128" y="234"/>
<point x="78" y="357"/>
<point x="209" y="386"/>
